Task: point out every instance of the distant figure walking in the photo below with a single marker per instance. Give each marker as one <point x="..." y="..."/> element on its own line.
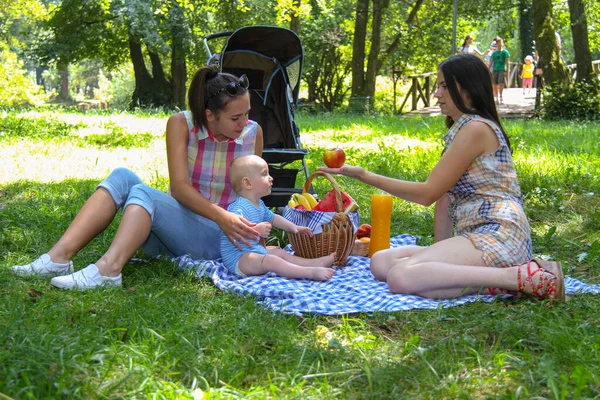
<point x="527" y="73"/>
<point x="499" y="66"/>
<point x="469" y="48"/>
<point x="488" y="54"/>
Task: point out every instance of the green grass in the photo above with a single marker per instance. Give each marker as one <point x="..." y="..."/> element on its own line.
<point x="167" y="333"/>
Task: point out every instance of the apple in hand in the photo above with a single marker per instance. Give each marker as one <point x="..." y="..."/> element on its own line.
<point x="363" y="231"/>
<point x="334" y="158"/>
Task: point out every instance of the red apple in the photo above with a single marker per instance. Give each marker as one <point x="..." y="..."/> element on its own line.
<point x="363" y="231"/>
<point x="334" y="158"/>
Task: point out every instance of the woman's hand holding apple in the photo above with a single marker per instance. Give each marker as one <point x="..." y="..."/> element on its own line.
<point x="346" y="170"/>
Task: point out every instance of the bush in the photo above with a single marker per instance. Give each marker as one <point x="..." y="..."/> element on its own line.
<point x="580" y="101"/>
<point x="17" y="88"/>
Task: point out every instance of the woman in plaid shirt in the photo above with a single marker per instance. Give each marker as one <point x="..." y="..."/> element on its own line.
<point x="201" y="143"/>
<point x="475" y="188"/>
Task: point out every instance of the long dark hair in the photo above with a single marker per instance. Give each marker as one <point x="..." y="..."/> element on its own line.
<point x="208" y="81"/>
<point x="475" y="80"/>
<point x="465" y="41"/>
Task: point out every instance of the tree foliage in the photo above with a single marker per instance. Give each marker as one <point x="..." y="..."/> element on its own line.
<point x="17" y="88"/>
<point x="348" y="43"/>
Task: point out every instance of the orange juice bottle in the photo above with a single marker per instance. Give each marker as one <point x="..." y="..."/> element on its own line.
<point x="381" y="219"/>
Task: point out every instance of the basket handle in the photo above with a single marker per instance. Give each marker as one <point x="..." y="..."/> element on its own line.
<point x="339" y="204"/>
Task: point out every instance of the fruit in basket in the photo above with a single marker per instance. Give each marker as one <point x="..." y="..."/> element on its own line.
<point x="334" y="158"/>
<point x="310" y="198"/>
<point x="301" y="200"/>
<point x="328" y="203"/>
<point x="365" y="239"/>
<point x="363" y="231"/>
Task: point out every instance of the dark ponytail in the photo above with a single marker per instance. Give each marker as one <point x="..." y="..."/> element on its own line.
<point x="207" y="82"/>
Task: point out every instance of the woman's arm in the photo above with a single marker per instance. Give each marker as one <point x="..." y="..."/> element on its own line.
<point x="234" y="226"/>
<point x="474" y="139"/>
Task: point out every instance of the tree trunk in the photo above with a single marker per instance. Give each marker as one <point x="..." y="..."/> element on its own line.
<point x="525" y="28"/>
<point x="149" y="91"/>
<point x="39" y="77"/>
<point x="358" y="48"/>
<point x="379" y="7"/>
<point x="177" y="22"/>
<point x="64" y="82"/>
<point x="161" y="93"/>
<point x="143" y="80"/>
<point x="295" y="17"/>
<point x="581" y="45"/>
<point x="178" y="74"/>
<point x="544" y="31"/>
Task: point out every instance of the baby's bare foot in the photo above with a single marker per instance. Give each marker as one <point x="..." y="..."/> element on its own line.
<point x="320" y="274"/>
<point x="326" y="261"/>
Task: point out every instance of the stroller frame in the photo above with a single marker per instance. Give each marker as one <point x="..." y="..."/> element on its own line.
<point x="272" y="59"/>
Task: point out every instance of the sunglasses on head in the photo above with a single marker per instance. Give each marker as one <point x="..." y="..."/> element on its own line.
<point x="233" y="87"/>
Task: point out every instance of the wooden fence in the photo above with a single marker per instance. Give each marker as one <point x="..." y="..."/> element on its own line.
<point x="422" y="88"/>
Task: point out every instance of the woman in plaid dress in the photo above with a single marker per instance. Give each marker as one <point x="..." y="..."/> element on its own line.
<point x="477" y="195"/>
<point x="201" y="143"/>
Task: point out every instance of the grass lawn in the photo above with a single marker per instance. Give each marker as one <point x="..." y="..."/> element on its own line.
<point x="167" y="334"/>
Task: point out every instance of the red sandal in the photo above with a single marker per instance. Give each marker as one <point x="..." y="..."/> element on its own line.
<point x="555" y="268"/>
<point x="551" y="280"/>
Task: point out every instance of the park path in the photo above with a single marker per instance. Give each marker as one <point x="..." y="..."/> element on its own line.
<point x="516" y="105"/>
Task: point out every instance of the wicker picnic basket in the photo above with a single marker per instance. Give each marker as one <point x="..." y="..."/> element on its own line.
<point x="337" y="235"/>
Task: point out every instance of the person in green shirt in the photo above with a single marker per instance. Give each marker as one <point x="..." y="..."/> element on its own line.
<point x="499" y="67"/>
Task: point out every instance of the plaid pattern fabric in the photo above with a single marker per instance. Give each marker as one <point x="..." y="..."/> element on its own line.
<point x="486" y="205"/>
<point x="209" y="160"/>
<point x="352" y="289"/>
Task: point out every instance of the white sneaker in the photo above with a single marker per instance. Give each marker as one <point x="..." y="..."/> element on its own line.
<point x="43" y="266"/>
<point x="87" y="278"/>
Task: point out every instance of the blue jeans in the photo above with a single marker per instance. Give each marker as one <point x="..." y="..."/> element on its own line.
<point x="176" y="230"/>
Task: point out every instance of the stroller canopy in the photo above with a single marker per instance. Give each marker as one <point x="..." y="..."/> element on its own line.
<point x="271" y="57"/>
<point x="275" y="46"/>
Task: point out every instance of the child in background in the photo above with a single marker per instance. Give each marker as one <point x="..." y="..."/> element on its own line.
<point x="527" y="73"/>
<point x="488" y="54"/>
<point x="249" y="176"/>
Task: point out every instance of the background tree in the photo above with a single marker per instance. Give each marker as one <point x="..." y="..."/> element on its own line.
<point x="544" y="31"/>
<point x="327" y="36"/>
<point x="581" y="46"/>
<point x="525" y="27"/>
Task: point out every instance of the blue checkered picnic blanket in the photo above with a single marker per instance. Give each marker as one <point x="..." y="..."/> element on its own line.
<point x="352" y="289"/>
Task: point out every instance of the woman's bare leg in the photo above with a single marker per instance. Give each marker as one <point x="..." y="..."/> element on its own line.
<point x="93" y="218"/>
<point x="442" y="223"/>
<point x="384" y="260"/>
<point x="448" y="269"/>
<point x="131" y="234"/>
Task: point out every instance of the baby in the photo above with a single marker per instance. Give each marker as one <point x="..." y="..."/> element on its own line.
<point x="249" y="176"/>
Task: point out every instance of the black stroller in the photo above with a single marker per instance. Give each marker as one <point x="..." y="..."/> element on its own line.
<point x="271" y="57"/>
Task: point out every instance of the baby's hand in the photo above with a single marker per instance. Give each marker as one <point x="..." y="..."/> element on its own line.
<point x="264" y="229"/>
<point x="305" y="230"/>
